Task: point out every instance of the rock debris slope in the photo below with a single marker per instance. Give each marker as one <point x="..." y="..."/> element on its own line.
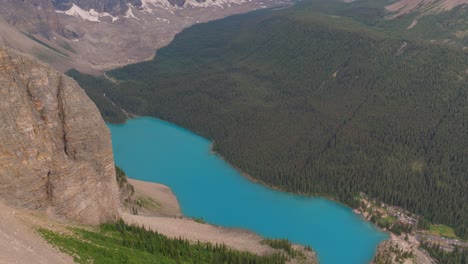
<point x="55" y="149"/>
<point x="32" y="16"/>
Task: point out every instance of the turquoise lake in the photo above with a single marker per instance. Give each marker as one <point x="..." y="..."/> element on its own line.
<point x="207" y="187"/>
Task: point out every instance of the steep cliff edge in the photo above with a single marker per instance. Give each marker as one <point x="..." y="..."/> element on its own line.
<point x="55" y="149"/>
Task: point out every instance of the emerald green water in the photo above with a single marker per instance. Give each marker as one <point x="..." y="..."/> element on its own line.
<point x="206" y="186"/>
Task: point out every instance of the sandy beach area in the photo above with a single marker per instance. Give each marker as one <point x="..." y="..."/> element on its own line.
<point x="169" y="221"/>
<point x="163" y="195"/>
<point x="193" y="231"/>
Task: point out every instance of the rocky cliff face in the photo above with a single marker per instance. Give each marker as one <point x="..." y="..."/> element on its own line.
<point x="55" y="149"/>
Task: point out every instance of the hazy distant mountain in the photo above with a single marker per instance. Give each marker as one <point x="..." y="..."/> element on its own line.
<point x="114" y="7"/>
<point x="119" y="7"/>
<point x="423" y="7"/>
<point x="442" y="21"/>
<point x="95" y="35"/>
<point x="92" y="35"/>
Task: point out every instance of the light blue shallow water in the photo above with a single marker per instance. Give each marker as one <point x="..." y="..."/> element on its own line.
<point x="206" y="186"/>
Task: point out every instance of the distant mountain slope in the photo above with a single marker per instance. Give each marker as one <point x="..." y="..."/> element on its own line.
<point x="92" y="35"/>
<point x="445" y="21"/>
<point x="423" y="7"/>
<point x="119" y="7"/>
<point x="316" y="104"/>
<point x="96" y="35"/>
<point x="34" y="16"/>
<point x="114" y="7"/>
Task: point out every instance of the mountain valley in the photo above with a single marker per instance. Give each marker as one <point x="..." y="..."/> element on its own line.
<point x="328" y="94"/>
<point x="98" y="35"/>
<point x="361" y="102"/>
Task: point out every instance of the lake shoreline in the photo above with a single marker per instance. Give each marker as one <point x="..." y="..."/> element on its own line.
<point x="171" y="222"/>
<point x="392" y="238"/>
<point x="145" y="188"/>
<point x="334" y="215"/>
<point x="276" y="188"/>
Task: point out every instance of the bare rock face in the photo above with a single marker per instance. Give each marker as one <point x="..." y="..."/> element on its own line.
<point x="55" y="149"/>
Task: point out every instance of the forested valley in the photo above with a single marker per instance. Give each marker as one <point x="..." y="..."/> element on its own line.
<point x="316" y="104"/>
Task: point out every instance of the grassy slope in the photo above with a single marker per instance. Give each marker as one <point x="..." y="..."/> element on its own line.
<point x="442" y="230"/>
<point x="120" y="243"/>
<point x="314" y="102"/>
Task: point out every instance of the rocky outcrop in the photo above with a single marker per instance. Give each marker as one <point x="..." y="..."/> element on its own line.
<point x="399" y="249"/>
<point x="55" y="149"/>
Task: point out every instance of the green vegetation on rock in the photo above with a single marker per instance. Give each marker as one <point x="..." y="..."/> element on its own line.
<point x="442" y="230"/>
<point x="283" y="244"/>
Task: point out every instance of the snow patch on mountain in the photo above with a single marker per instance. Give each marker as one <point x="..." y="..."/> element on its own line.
<point x="210" y="3"/>
<point x="90" y="15"/>
<point x="129" y="13"/>
<point x="153" y="7"/>
<point x="147" y="4"/>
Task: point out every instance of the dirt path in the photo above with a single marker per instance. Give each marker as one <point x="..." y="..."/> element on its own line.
<point x="19" y="243"/>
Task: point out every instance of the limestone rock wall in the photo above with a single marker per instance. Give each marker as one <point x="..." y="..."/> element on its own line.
<point x="55" y="149"/>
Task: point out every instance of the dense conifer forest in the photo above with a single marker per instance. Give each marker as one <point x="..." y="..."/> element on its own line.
<point x="458" y="255"/>
<point x="314" y="103"/>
